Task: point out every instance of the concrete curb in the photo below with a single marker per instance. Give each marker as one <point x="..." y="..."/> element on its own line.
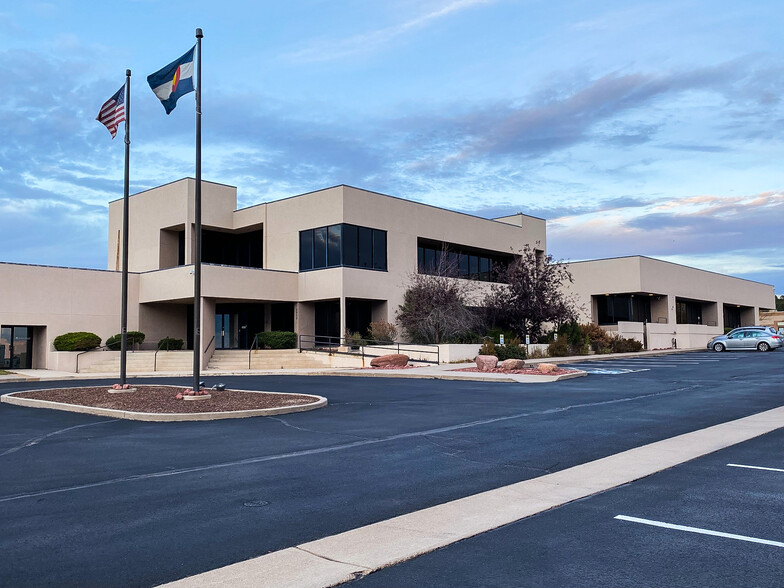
<point x="320" y="402"/>
<point x="339" y="558"/>
<point x="468" y="376"/>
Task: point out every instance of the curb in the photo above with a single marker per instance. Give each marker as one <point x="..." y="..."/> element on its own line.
<point x="321" y="401"/>
<point x="346" y="556"/>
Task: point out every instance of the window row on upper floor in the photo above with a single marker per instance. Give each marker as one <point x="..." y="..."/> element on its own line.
<point x="343" y="245"/>
<point x="459" y="261"/>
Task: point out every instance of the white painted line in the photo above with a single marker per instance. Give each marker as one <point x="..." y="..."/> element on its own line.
<point x="700" y="531"/>
<point x="737" y="465"/>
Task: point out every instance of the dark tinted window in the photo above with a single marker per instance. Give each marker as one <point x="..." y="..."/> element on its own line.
<point x="333" y="245"/>
<point x="365" y="247"/>
<point x="379" y="250"/>
<point x="306" y="250"/>
<point x="350" y="254"/>
<point x="320" y="247"/>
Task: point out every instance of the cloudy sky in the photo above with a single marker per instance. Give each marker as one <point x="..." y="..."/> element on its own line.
<point x="652" y="128"/>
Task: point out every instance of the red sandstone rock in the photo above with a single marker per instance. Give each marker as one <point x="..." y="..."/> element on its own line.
<point x="512" y="364"/>
<point x="547" y="368"/>
<point x="486" y="362"/>
<point x="391" y="360"/>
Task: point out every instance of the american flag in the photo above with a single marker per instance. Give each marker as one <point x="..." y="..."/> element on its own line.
<point x="113" y="111"/>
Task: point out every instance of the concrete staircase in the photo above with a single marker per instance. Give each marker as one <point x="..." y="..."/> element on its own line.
<point x="267" y="359"/>
<point x="143" y="361"/>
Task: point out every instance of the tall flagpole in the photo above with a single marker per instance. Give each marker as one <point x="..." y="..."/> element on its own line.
<point x="197" y="220"/>
<point x="124" y="311"/>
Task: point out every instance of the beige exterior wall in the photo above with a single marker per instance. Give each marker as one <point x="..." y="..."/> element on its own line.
<point x="662" y="283"/>
<point x="57" y="300"/>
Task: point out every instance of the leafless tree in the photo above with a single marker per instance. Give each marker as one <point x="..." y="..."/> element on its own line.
<point x="435" y="305"/>
<point x="531" y="293"/>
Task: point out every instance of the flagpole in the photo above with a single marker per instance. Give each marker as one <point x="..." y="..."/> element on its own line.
<point x="124" y="310"/>
<point x="197" y="221"/>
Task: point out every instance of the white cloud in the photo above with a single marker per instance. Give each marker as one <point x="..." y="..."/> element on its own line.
<point x="331" y="49"/>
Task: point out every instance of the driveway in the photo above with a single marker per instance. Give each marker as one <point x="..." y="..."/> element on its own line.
<point x="93" y="501"/>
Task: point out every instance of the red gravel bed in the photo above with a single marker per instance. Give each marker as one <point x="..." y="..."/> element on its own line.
<point x="525" y="371"/>
<point x="161" y="399"/>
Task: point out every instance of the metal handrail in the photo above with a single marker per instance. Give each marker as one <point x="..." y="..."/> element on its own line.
<point x="252" y="347"/>
<point x="332" y="345"/>
<point x="105" y="347"/>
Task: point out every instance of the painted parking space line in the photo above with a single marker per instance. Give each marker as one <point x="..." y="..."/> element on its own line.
<point x="751" y="467"/>
<point x="699" y="531"/>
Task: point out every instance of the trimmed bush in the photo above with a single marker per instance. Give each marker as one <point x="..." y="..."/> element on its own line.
<point x="511" y="350"/>
<point x="134" y="338"/>
<point x="79" y="341"/>
<point x="276" y="340"/>
<point x="171" y="344"/>
<point x="558" y="348"/>
<point x="625" y="345"/>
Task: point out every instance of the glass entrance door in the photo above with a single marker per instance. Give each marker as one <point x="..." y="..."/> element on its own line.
<point x="226" y="331"/>
<point x="16" y="347"/>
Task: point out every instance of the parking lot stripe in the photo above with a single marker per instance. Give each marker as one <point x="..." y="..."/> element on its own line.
<point x="699" y="531"/>
<point x="751" y="467"/>
<point x="384" y="543"/>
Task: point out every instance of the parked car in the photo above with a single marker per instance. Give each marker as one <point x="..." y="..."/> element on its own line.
<point x="759" y="338"/>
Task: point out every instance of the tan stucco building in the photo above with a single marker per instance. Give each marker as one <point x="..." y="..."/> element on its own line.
<point x="322" y="263"/>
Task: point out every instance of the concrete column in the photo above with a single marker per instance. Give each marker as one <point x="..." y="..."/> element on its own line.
<point x="342" y="316"/>
<point x="304" y="318"/>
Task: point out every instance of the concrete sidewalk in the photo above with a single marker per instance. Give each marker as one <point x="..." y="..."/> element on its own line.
<point x="442" y="371"/>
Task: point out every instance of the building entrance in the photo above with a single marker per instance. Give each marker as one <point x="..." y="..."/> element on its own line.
<point x="227" y="331"/>
<point x="16" y="347"/>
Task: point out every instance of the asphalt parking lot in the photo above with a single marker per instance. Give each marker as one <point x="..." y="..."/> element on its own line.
<point x="704" y="523"/>
<point x="94" y="501"/>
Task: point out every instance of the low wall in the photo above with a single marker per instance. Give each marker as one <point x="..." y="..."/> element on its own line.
<point x="661" y="335"/>
<point x="65" y="361"/>
<point x="456" y="353"/>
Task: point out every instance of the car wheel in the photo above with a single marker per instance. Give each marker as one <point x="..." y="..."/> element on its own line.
<point x="718" y="347"/>
<point x="763" y="346"/>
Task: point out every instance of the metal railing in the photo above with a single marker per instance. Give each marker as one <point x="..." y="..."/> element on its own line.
<point x="253" y="346"/>
<point x="421" y="353"/>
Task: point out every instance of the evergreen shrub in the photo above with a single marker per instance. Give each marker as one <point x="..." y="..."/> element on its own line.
<point x="79" y="341"/>
<point x="134" y="338"/>
<point x="276" y="340"/>
<point x="171" y="344"/>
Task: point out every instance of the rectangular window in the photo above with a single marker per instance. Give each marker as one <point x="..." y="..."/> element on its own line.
<point x="379" y="249"/>
<point x="421" y="260"/>
<point x="484" y="269"/>
<point x="473" y="267"/>
<point x="365" y="246"/>
<point x="430" y="261"/>
<point x="320" y="248"/>
<point x="463" y="266"/>
<point x="306" y="250"/>
<point x="350" y="252"/>
<point x="333" y="245"/>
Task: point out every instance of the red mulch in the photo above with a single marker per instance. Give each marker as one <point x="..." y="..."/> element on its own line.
<point x="392" y="367"/>
<point x="161" y="399"/>
<point x="526" y="371"/>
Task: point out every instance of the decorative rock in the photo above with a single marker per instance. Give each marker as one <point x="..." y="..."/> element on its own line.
<point x="391" y="360"/>
<point x="547" y="368"/>
<point x="486" y="362"/>
<point x="512" y="364"/>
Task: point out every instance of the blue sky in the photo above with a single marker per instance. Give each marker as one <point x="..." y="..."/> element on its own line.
<point x="653" y="128"/>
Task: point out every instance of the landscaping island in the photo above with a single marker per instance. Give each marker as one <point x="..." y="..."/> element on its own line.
<point x="160" y="403"/>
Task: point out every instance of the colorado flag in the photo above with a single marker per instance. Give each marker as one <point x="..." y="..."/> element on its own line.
<point x="173" y="81"/>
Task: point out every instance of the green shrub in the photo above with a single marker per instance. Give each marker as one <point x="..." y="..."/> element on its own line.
<point x="134" y="338"/>
<point x="79" y="341"/>
<point x="171" y="344"/>
<point x="558" y="348"/>
<point x="511" y="350"/>
<point x="276" y="340"/>
<point x="598" y="339"/>
<point x="625" y="345"/>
